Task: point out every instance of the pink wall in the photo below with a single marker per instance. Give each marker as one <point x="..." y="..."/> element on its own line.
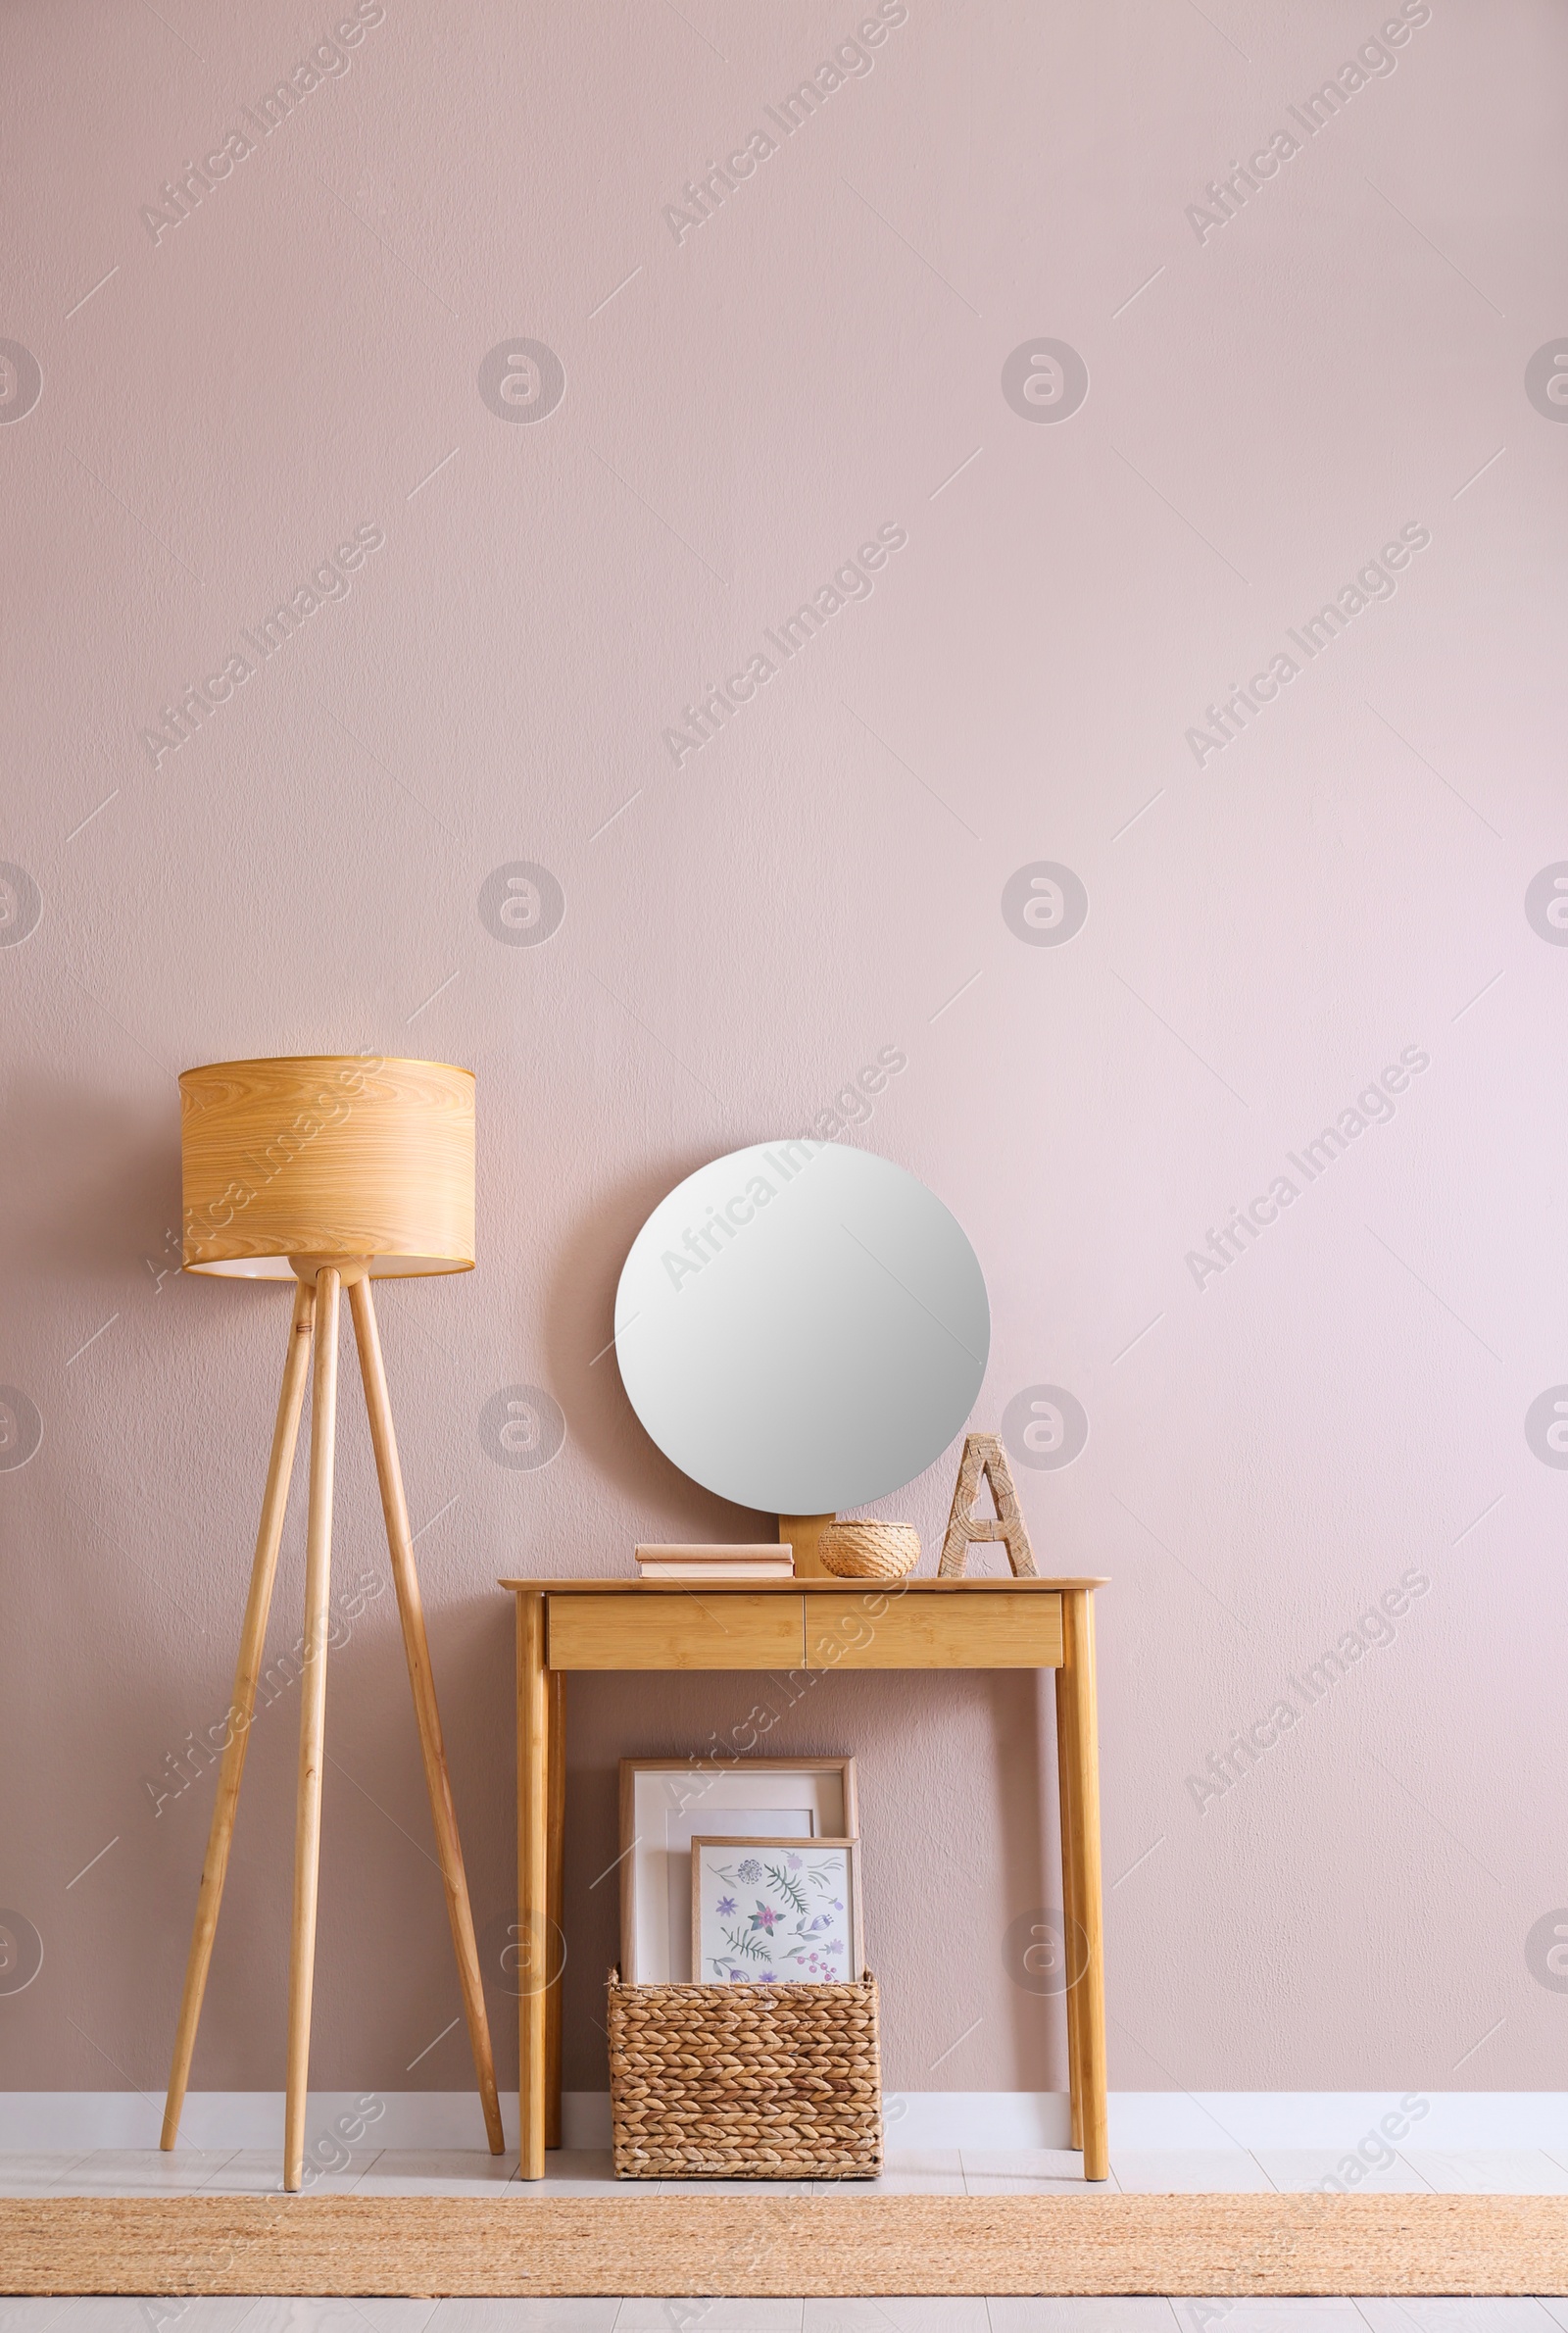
<point x="1270" y="921"/>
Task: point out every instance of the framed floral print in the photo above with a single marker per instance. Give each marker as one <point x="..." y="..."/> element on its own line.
<point x="665" y="1801"/>
<point x="775" y="1910"/>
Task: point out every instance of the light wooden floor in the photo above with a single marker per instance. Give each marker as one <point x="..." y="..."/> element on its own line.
<point x="1523" y="2171"/>
<point x="945" y="2316"/>
<point x="1041" y="2170"/>
<point x="978" y="2315"/>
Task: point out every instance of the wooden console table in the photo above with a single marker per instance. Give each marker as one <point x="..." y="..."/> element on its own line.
<point x="569" y="1625"/>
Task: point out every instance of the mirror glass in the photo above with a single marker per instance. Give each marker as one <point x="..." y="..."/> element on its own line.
<point x="801" y="1326"/>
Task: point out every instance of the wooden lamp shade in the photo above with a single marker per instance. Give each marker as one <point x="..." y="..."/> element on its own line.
<point x="323" y="1156"/>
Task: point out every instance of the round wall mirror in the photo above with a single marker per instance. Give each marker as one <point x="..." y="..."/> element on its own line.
<point x="801" y="1326"/>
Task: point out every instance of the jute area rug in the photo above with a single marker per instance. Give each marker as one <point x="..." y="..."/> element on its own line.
<point x="676" y="2246"/>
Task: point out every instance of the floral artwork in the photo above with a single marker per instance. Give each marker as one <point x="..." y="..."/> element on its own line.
<point x="772" y="1911"/>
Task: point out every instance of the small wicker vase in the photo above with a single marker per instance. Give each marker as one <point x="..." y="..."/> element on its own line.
<point x="869" y="1551"/>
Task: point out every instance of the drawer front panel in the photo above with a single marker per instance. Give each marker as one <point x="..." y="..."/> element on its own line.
<point x="982" y="1631"/>
<point x="675" y="1631"/>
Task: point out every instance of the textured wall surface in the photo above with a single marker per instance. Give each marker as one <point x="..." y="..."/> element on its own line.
<point x="1064" y="799"/>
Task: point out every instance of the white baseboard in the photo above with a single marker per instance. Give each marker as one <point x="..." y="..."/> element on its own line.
<point x="55" y="2119"/>
<point x="59" y="2120"/>
<point x="1159" y="2120"/>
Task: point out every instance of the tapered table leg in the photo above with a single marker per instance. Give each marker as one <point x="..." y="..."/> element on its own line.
<point x="428" y="1716"/>
<point x="313" y="1725"/>
<point x="242" y="1703"/>
<point x="1069" y="1914"/>
<point x="555" y="1891"/>
<point x="533" y="1882"/>
<point x="1083" y="1775"/>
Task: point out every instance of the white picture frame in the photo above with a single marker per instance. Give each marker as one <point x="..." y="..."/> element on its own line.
<point x="665" y="1801"/>
<point x="768" y="1912"/>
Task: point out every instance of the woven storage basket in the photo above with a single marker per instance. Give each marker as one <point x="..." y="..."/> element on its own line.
<point x="744" y="2081"/>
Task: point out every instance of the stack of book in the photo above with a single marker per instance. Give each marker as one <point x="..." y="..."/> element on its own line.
<point x="768" y="1561"/>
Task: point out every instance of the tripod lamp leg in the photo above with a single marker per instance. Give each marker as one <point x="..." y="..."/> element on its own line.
<point x="242" y="1705"/>
<point x="313" y="1725"/>
<point x="427" y="1717"/>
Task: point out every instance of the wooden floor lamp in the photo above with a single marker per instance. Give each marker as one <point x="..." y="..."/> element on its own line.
<point x="331" y="1171"/>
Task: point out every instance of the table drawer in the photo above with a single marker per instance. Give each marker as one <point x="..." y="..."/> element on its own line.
<point x="675" y="1631"/>
<point x="994" y="1630"/>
